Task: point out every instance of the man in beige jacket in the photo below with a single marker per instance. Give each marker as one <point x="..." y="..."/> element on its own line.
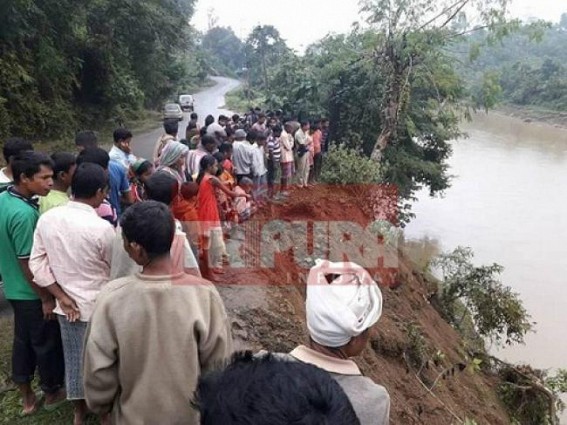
<point x="152" y="334"/>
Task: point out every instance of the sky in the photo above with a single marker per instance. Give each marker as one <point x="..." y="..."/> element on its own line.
<point x="310" y="20"/>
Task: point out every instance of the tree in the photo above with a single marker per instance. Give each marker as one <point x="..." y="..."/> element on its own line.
<point x="264" y="46"/>
<point x="411" y="31"/>
<point x="223" y="44"/>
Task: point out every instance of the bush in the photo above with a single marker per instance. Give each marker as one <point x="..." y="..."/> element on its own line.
<point x="343" y="165"/>
<point x="497" y="312"/>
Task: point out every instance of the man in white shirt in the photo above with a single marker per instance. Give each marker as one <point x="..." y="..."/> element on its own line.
<point x="71" y="257"/>
<point x="121" y="151"/>
<point x="260" y="170"/>
<point x="242" y="156"/>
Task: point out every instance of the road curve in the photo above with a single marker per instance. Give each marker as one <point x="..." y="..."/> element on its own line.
<point x="208" y="101"/>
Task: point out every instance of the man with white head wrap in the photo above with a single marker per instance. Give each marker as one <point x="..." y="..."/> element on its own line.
<point x="343" y="303"/>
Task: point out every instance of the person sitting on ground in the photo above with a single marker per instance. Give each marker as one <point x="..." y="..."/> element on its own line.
<point x="13" y="146"/>
<point x="142" y="170"/>
<point x="170" y="327"/>
<point x="244" y="207"/>
<point x="121" y="152"/>
<point x="162" y="188"/>
<point x="71" y="255"/>
<point x="227" y="175"/>
<point x="268" y="390"/>
<point x="171" y="128"/>
<point x="85" y="139"/>
<point x="64" y="164"/>
<point x="343" y="303"/>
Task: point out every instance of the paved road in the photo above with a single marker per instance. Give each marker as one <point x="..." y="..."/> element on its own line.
<point x="208" y="101"/>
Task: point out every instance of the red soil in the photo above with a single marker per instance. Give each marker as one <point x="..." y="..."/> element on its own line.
<point x="270" y="315"/>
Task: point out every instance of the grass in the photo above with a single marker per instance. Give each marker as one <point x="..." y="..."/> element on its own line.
<point x="236" y="100"/>
<point x="10" y="402"/>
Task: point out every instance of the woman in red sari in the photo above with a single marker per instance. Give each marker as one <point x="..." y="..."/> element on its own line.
<point x="209" y="217"/>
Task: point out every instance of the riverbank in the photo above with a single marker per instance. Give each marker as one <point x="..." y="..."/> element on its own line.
<point x="534" y="115"/>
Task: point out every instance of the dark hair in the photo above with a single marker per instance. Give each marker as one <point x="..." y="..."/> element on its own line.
<point x="86" y="139"/>
<point x="225" y="147"/>
<point x="162" y="187"/>
<point x="267" y="390"/>
<point x="94" y="156"/>
<point x="251" y="135"/>
<point x="223" y="118"/>
<point x="209" y="120"/>
<point x="150" y="224"/>
<point x="15" y="145"/>
<point x="145" y="166"/>
<point x="87" y="180"/>
<point x="261" y="115"/>
<point x="171" y="127"/>
<point x="121" y="134"/>
<point x="304" y="123"/>
<point x="220" y="158"/>
<point x="277" y="130"/>
<point x="205" y="163"/>
<point x="261" y="135"/>
<point x="207" y="139"/>
<point x="203" y="132"/>
<point x="235" y="118"/>
<point x="28" y="163"/>
<point x="62" y="162"/>
<point x="194" y="116"/>
<point x="229" y="131"/>
<point x="189" y="190"/>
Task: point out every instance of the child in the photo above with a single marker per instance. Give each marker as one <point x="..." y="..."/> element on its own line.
<point x="186" y="212"/>
<point x="209" y="217"/>
<point x="259" y="166"/>
<point x="64" y="165"/>
<point x="244" y="207"/>
<point x="142" y="170"/>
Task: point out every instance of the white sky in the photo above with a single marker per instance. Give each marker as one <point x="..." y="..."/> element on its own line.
<point x="310" y="20"/>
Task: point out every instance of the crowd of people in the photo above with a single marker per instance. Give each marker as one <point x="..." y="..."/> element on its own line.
<point x="103" y="260"/>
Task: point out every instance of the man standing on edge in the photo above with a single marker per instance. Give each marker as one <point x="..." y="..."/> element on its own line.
<point x="170" y="328"/>
<point x="37" y="339"/>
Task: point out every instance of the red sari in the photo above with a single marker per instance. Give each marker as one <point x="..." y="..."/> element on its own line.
<point x="208" y="209"/>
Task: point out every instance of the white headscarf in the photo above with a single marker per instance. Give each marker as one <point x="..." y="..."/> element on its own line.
<point x="344" y="308"/>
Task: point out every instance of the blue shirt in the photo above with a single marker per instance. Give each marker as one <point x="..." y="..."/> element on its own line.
<point x="118" y="184"/>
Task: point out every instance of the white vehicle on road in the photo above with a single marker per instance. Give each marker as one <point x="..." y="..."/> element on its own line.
<point x="172" y="111"/>
<point x="186" y="102"/>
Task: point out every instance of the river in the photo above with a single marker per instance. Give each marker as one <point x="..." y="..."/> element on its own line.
<point x="507" y="203"/>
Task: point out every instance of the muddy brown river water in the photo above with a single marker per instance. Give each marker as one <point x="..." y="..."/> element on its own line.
<point x="508" y="203"/>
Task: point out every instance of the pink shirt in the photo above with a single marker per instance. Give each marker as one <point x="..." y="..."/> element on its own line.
<point x="73" y="247"/>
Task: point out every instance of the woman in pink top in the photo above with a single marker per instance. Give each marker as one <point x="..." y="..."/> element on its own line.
<point x="211" y="231"/>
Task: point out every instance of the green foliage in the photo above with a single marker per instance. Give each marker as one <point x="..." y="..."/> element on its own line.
<point x="526" y="68"/>
<point x="224" y="49"/>
<point x="497" y="312"/>
<point x="61" y="60"/>
<point x="528" y="397"/>
<point x="343" y="165"/>
<point x="264" y="49"/>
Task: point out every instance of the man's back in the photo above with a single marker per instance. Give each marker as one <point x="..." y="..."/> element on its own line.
<point x="242" y="157"/>
<point x="149" y="339"/>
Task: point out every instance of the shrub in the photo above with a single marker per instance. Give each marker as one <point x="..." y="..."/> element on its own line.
<point x="497" y="312"/>
<point x="343" y="165"/>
